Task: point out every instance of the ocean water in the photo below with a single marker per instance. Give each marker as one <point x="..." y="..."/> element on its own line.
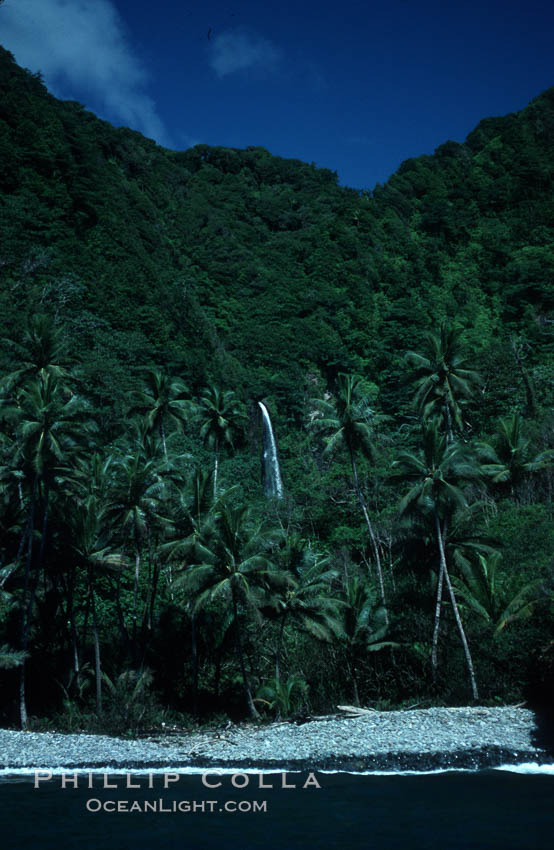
<point x="512" y="809"/>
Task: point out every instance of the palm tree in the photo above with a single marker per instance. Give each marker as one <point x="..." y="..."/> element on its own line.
<point x="365" y="626"/>
<point x="302" y="594"/>
<point x="436" y="476"/>
<point x="41" y="353"/>
<point x="349" y="418"/>
<point x="162" y="400"/>
<point x="137" y="488"/>
<point x="91" y="476"/>
<point x="52" y="426"/>
<point x="444" y="379"/>
<point x="509" y="458"/>
<point x="486" y="597"/>
<point x="191" y="522"/>
<point x="232" y="565"/>
<point x="11" y="657"/>
<point x="194" y="507"/>
<point x="221" y="415"/>
<point x="91" y="554"/>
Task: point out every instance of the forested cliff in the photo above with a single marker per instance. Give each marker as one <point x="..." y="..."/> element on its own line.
<point x="402" y="339"/>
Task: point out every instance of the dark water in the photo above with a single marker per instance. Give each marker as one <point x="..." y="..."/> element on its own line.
<point x="489" y="809"/>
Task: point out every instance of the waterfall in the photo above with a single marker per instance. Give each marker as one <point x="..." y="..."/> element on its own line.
<point x="273" y="486"/>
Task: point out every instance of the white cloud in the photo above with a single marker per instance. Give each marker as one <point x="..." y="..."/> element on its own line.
<point x="236" y="50"/>
<point x="81" y="48"/>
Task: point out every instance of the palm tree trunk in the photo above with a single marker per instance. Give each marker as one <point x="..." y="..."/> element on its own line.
<point x="135" y="599"/>
<point x="354" y="680"/>
<point x="164" y="444"/>
<point x="24" y="720"/>
<point x="25" y="612"/>
<point x="44" y="530"/>
<point x="71" y="618"/>
<point x="372" y="538"/>
<point x="155" y="578"/>
<point x="389" y="560"/>
<point x="25" y="536"/>
<point x="450" y="432"/>
<point x="97" y="664"/>
<point x="278" y="651"/>
<point x="84" y="630"/>
<point x="153" y="574"/>
<point x="120" y="619"/>
<point x="216" y="466"/>
<point x="436" y="627"/>
<point x="530" y="394"/>
<point x="194" y="653"/>
<point x="247" y="692"/>
<point x="456" y="611"/>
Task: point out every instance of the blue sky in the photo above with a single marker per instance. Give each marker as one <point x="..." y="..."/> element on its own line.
<point x="356" y="87"/>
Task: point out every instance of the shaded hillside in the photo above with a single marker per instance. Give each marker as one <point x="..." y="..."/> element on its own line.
<point x="241" y="264"/>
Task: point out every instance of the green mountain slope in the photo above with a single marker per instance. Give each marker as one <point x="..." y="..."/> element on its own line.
<point x="245" y="277"/>
<point x="258" y="268"/>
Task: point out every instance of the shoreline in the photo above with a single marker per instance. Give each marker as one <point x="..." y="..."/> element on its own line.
<point x="389" y="763"/>
<point x="397" y="741"/>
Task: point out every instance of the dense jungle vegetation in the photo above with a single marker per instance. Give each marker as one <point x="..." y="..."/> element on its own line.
<point x="403" y="342"/>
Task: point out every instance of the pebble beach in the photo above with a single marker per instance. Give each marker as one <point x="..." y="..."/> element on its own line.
<point x="421" y="739"/>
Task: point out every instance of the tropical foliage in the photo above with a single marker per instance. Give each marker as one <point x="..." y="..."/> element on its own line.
<point x="402" y="338"/>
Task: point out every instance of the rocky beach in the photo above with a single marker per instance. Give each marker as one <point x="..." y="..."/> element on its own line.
<point x="421" y="739"/>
